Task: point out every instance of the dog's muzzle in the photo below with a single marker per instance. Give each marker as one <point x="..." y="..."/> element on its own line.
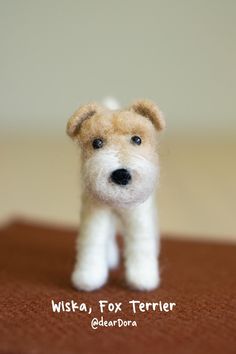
<point x="121" y="177"/>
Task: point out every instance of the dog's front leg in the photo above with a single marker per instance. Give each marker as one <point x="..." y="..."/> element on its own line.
<point x="91" y="268"/>
<point x="141" y="247"/>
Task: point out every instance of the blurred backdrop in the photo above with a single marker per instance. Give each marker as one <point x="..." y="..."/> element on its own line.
<point x="58" y="54"/>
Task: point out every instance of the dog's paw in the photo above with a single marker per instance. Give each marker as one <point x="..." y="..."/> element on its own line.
<point x="89" y="279"/>
<point x="142" y="277"/>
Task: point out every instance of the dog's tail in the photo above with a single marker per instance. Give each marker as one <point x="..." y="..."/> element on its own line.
<point x="111" y="103"/>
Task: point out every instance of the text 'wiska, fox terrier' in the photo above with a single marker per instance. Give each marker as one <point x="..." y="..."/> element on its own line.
<point x="120" y="169"/>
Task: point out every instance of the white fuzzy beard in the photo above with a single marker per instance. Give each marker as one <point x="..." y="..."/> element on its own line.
<point x="97" y="170"/>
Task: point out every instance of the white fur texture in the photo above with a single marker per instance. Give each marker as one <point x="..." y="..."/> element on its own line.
<point x="141" y="245"/>
<point x="98" y="168"/>
<point x="97" y="250"/>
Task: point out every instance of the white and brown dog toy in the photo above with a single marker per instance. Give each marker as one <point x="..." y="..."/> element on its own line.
<point x="120" y="169"/>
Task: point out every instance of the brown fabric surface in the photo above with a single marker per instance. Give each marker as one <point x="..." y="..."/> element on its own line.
<point x="35" y="267"/>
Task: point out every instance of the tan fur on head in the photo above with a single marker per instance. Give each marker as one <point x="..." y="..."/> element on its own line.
<point x="80" y="115"/>
<point x="115" y="128"/>
<point x="150" y="110"/>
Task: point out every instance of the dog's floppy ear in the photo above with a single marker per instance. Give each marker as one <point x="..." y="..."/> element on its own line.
<point x="80" y="115"/>
<point x="151" y="111"/>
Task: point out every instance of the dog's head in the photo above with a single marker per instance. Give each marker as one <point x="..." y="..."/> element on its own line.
<point x="119" y="150"/>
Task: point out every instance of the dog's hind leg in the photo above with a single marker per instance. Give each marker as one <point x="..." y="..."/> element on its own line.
<point x="112" y="247"/>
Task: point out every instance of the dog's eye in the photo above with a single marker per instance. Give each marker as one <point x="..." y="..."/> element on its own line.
<point x="136" y="140"/>
<point x="97" y="143"/>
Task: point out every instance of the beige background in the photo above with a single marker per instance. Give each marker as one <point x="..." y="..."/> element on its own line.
<point x="182" y="54"/>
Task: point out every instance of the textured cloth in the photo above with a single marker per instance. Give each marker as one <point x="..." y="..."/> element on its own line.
<point x="35" y="267"/>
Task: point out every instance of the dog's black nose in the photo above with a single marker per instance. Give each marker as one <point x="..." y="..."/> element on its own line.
<point x="121" y="176"/>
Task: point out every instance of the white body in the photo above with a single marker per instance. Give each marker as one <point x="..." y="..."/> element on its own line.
<point x="97" y="249"/>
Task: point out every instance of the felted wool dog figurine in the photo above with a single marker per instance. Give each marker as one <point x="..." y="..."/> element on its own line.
<point x="120" y="169"/>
